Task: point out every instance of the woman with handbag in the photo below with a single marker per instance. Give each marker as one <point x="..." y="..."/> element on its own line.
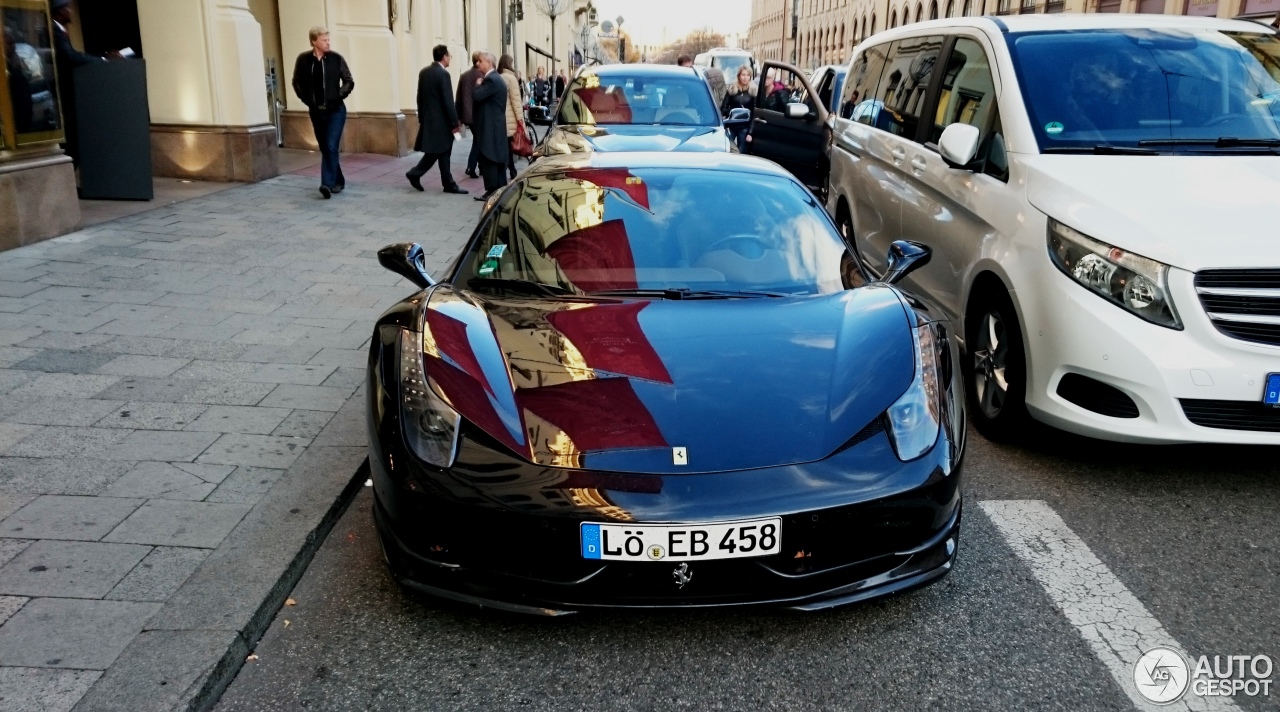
<point x="515" y="116"/>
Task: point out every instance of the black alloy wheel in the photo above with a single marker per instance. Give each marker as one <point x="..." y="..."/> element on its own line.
<point x="997" y="368"/>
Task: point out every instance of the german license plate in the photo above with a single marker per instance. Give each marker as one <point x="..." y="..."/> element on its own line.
<point x="1271" y="394"/>
<point x="682" y="542"/>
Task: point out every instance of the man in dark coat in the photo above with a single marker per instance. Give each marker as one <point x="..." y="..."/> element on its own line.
<point x="489" y="102"/>
<point x="67" y="58"/>
<point x="322" y="80"/>
<point x="467" y="84"/>
<point x="437" y="120"/>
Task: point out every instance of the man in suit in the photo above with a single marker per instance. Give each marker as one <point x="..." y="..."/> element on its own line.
<point x="437" y="120"/>
<point x="489" y="102"/>
<point x="466" y="84"/>
<point x="67" y="58"/>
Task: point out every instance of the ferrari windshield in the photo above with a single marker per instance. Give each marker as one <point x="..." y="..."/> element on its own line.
<point x="652" y="230"/>
<point x="622" y="99"/>
<point x="1149" y="87"/>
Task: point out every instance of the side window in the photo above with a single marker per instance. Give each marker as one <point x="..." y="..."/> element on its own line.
<point x="825" y="88"/>
<point x="904" y="86"/>
<point x="969" y="96"/>
<point x="779" y="87"/>
<point x="857" y="99"/>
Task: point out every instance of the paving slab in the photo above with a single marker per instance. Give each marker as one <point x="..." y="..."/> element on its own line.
<point x="254" y="450"/>
<point x="142" y="415"/>
<point x="25" y="689"/>
<point x="303" y="423"/>
<point x="308" y="397"/>
<point x="158" y="576"/>
<point x="69" y="569"/>
<point x="10" y="548"/>
<point x="64" y="386"/>
<point x="173" y="523"/>
<point x="246" y="485"/>
<point x="64" y="517"/>
<point x="145" y="366"/>
<point x="58" y="475"/>
<point x="63" y="361"/>
<point x="71" y="633"/>
<point x="162" y="445"/>
<point x="62" y="411"/>
<point x="161" y="480"/>
<point x="10" y="605"/>
<point x="13" y="433"/>
<point x="239" y="419"/>
<point x="164" y="670"/>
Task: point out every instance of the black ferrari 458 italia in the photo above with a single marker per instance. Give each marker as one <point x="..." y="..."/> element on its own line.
<point x="662" y="380"/>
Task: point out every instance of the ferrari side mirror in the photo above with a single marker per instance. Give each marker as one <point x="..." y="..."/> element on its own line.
<point x="904" y="258"/>
<point x="406" y="259"/>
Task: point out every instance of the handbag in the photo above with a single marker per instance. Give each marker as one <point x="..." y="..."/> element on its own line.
<point x="520" y="143"/>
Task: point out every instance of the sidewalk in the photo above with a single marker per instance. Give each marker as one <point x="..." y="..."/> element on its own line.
<point x="181" y="412"/>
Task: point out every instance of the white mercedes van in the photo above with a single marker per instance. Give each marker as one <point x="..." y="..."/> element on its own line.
<point x="1101" y="194"/>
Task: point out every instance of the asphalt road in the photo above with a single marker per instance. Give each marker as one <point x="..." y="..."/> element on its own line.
<point x="1189" y="531"/>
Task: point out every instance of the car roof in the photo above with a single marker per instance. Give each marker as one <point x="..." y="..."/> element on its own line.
<point x="709" y="161"/>
<point x="638" y="70"/>
<point x="1044" y="22"/>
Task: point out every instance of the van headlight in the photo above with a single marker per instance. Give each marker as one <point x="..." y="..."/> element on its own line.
<point x="430" y="424"/>
<point x="916" y="417"/>
<point x="1132" y="282"/>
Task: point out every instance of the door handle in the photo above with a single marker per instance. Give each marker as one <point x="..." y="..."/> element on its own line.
<point x="919" y="164"/>
<point x="898" y="155"/>
<point x="761" y="121"/>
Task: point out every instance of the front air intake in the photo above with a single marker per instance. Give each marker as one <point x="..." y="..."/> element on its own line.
<point x="1096" y="396"/>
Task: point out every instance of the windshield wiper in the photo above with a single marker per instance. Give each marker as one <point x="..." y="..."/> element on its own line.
<point x="523" y="286"/>
<point x="1220" y="142"/>
<point x="1103" y="149"/>
<point x="685" y="293"/>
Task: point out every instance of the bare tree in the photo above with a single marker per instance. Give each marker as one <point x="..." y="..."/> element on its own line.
<point x="692" y="44"/>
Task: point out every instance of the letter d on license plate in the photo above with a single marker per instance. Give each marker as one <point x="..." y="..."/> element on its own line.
<point x="1271" y="393"/>
<point x="682" y="542"/>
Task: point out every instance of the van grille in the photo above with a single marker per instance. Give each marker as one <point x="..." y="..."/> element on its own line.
<point x="1232" y="415"/>
<point x="1242" y="303"/>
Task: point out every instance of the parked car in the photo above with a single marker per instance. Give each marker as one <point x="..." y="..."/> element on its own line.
<point x="617" y="397"/>
<point x="638" y="107"/>
<point x="828" y="80"/>
<point x="1100" y="195"/>
<point x="727" y="59"/>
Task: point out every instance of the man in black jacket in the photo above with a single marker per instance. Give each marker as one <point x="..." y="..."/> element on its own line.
<point x="437" y="120"/>
<point x="466" y="83"/>
<point x="489" y="102"/>
<point x="322" y="81"/>
<point x="67" y="58"/>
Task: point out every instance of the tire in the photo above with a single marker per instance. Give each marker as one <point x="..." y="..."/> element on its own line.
<point x="996" y="368"/>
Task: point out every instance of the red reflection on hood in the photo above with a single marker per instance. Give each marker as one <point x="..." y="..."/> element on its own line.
<point x="609" y="337"/>
<point x="618" y="178"/>
<point x="467" y="396"/>
<point x="451" y="338"/>
<point x="600" y="414"/>
<point x="597" y="258"/>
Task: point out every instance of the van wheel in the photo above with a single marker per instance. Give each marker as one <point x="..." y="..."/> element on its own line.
<point x="997" y="368"/>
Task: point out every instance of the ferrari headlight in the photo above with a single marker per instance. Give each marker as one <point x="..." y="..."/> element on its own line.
<point x="1132" y="282"/>
<point x="916" y="417"/>
<point x="430" y="424"/>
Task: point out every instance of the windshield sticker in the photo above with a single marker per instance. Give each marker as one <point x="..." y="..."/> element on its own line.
<point x="1053" y="128"/>
<point x="488" y="266"/>
<point x="497" y="250"/>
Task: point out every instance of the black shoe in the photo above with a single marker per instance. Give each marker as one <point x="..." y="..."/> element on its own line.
<point x="325" y="191"/>
<point x="456" y="190"/>
<point x="482" y="196"/>
<point x="339" y="188"/>
<point x="414" y="181"/>
<point x="472" y="174"/>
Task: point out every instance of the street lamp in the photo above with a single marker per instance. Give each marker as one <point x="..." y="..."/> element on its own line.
<point x="553" y="9"/>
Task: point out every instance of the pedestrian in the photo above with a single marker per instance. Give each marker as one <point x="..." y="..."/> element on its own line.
<point x="466" y="84"/>
<point x="561" y="81"/>
<point x="437" y="121"/>
<point x="489" y="102"/>
<point x="541" y="88"/>
<point x="684" y="60"/>
<point x="742" y="95"/>
<point x="322" y="80"/>
<point x="507" y="68"/>
<point x="66" y="58"/>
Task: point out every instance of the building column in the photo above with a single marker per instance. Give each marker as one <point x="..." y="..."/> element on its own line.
<point x="359" y="30"/>
<point x="206" y="90"/>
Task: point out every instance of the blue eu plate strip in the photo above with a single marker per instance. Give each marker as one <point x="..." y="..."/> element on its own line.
<point x="590" y="541"/>
<point x="1271" y="396"/>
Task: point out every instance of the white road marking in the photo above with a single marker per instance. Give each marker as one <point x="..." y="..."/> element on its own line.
<point x="1112" y="620"/>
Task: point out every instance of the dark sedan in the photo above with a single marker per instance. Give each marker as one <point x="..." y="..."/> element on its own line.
<point x="633" y="107"/>
<point x="617" y="397"/>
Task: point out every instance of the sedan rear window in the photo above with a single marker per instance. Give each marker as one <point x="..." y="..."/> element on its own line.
<point x="616" y="99"/>
<point x="608" y="229"/>
<point x="1148" y="87"/>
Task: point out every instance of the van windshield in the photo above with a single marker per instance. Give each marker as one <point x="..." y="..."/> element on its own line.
<point x="1152" y="89"/>
<point x="730" y="64"/>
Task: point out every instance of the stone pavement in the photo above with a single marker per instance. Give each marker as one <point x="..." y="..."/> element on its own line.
<point x="181" y="412"/>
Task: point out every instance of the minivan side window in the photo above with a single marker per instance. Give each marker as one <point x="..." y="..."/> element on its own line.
<point x="857" y="100"/>
<point x="968" y="96"/>
<point x="904" y="84"/>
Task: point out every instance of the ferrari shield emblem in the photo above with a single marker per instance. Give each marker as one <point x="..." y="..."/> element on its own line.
<point x="679" y="456"/>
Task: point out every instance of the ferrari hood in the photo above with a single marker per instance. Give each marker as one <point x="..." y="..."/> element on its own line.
<point x="1192" y="212"/>
<point x="630" y="138"/>
<point x="621" y="386"/>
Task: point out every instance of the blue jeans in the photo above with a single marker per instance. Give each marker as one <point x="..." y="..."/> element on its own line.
<point x="739" y="136"/>
<point x="328" y="126"/>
